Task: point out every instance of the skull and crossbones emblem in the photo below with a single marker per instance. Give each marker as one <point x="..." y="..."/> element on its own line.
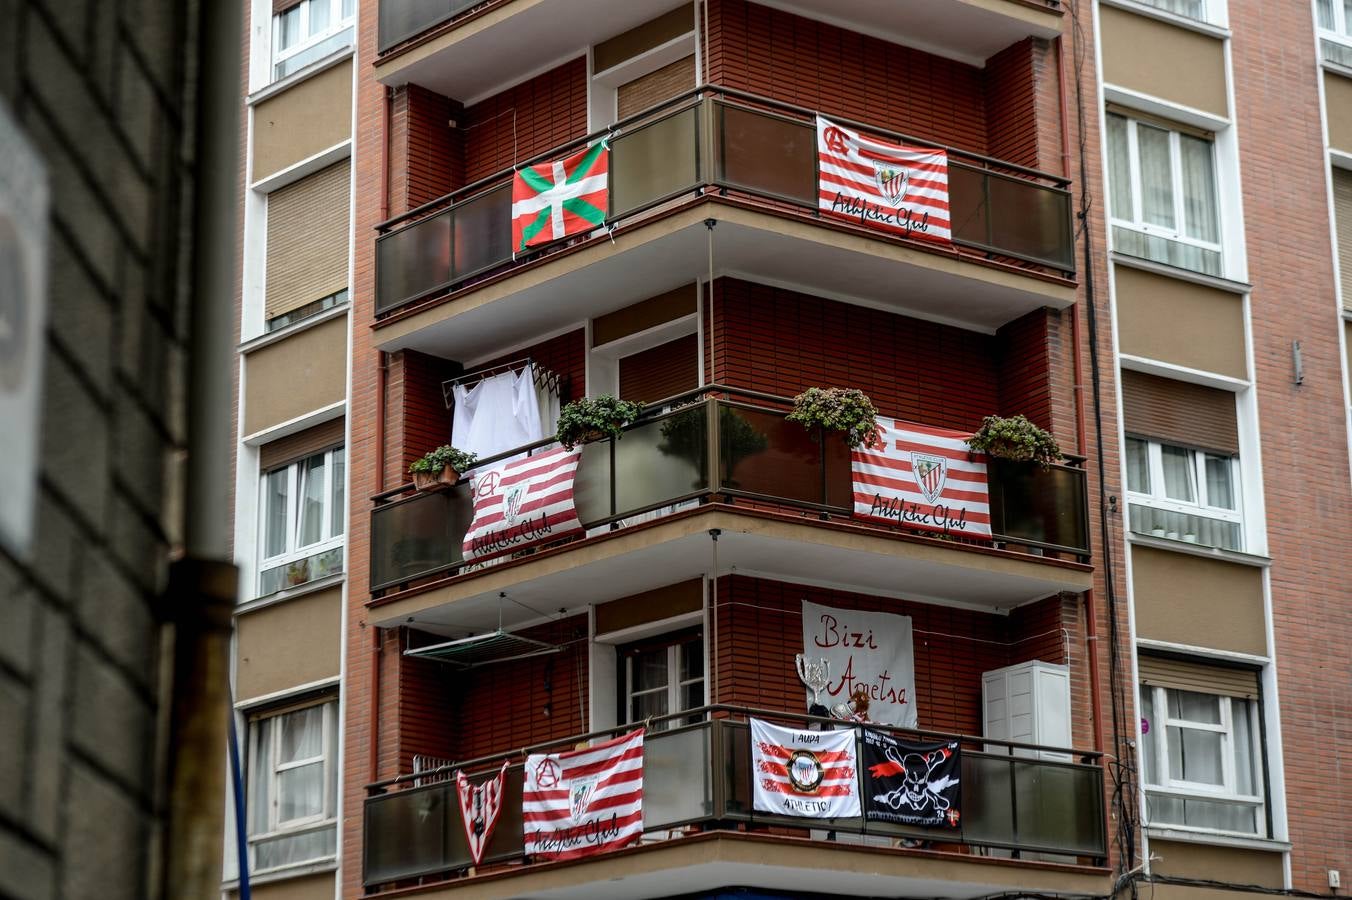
<point x="917" y="790"/>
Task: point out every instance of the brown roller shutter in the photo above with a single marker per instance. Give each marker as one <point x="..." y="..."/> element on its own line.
<point x="281" y="6"/>
<point x="642" y="38"/>
<point x="301" y="444"/>
<point x="664" y="371"/>
<point x="308" y="239"/>
<point x="1179" y="412"/>
<point x="1342" y="208"/>
<point x="1160" y="671"/>
<point x="649" y="90"/>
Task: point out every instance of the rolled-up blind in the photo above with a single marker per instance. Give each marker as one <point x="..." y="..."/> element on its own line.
<point x="284" y="451"/>
<point x="308" y="239"/>
<point x="1342" y="208"/>
<point x="1179" y="412"/>
<point x="1185" y="675"/>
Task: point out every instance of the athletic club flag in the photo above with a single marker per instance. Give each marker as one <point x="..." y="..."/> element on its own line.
<point x="878" y="184"/>
<point x="479" y="808"/>
<point x="922" y="478"/>
<point x="804" y="773"/>
<point x="584" y="801"/>
<point x="522" y="503"/>
<point x="561" y="198"/>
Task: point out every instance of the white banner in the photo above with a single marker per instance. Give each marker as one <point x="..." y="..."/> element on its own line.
<point x="872" y="649"/>
<point x="922" y="478"/>
<point x="804" y="773"/>
<point x="522" y="503"/>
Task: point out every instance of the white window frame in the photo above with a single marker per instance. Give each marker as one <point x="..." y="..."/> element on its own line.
<point x="328" y="818"/>
<point x="674" y="686"/>
<point x="1192" y="790"/>
<point x="337" y="24"/>
<point x="1137" y="222"/>
<point x="1156" y="498"/>
<point x="1342" y="26"/>
<point x="329" y="540"/>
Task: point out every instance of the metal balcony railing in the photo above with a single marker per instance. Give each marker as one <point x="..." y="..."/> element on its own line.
<point x="717" y="139"/>
<point x="722" y="445"/>
<point x="1019" y="798"/>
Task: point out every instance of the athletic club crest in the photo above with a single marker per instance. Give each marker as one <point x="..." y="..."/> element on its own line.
<point x="892" y="182"/>
<point x="930" y="474"/>
<point x="479" y="808"/>
<point x="805" y="771"/>
<point x="512" y="501"/>
<point x="580" y="792"/>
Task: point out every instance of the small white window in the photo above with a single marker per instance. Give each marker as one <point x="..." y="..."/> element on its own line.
<point x="1335" y="31"/>
<point x="1183" y="494"/>
<point x="302" y="528"/>
<point x="293" y="786"/>
<point x="1188" y="9"/>
<point x="1162" y="195"/>
<point x="308" y="31"/>
<point x="663" y="676"/>
<point x="1201" y="761"/>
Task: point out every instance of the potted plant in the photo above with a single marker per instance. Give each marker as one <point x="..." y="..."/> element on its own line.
<point x="846" y="410"/>
<point x="440" y="468"/>
<point x="593" y="418"/>
<point x="1015" y="438"/>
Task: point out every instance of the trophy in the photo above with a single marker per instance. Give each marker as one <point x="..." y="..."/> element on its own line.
<point x="815" y="676"/>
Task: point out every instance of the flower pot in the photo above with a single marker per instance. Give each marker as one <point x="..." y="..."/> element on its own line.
<point x="436" y="481"/>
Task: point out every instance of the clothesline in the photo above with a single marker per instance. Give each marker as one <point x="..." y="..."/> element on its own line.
<point x="546" y="379"/>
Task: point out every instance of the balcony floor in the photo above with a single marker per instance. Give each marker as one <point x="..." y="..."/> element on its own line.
<point x="703" y="862"/>
<point x="782" y="547"/>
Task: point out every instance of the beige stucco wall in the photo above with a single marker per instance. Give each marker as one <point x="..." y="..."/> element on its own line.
<point x="1235" y="865"/>
<point x="309" y="887"/>
<point x="288" y="644"/>
<point x="1338" y="106"/>
<point x="1185" y="599"/>
<point x="308" y="117"/>
<point x="1179" y="322"/>
<point x="1162" y="60"/>
<point x="295" y="376"/>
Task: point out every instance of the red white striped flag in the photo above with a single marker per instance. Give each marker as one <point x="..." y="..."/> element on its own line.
<point x="480" y="805"/>
<point x="923" y="478"/>
<point x="584" y="801"/>
<point x="804" y="773"/>
<point x="878" y="184"/>
<point x="522" y="503"/>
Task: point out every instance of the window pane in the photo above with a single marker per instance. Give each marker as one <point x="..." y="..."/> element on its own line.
<point x="1157" y="183"/>
<point x="300" y="792"/>
<point x="1148" y="768"/>
<point x="338" y="493"/>
<point x="1326" y="14"/>
<point x="295" y="848"/>
<point x="1221" y="816"/>
<point x="1195" y="755"/>
<point x="348" y="9"/>
<point x="260" y="776"/>
<point x="1138" y="466"/>
<point x="302" y="734"/>
<point x="288" y="28"/>
<point x="276" y="514"/>
<point x="1219" y="489"/>
<point x="641" y="706"/>
<point x="649" y="670"/>
<point x="1178" y="474"/>
<point x="1347" y="17"/>
<point x="1195" y="707"/>
<point x="692" y="659"/>
<point x="319" y="16"/>
<point x="1119" y="169"/>
<point x="692" y="694"/>
<point x="311" y="528"/>
<point x="1161" y="810"/>
<point x="1246" y="774"/>
<point x="1199" y="190"/>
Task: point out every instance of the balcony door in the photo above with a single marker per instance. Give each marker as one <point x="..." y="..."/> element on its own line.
<point x="660" y="676"/>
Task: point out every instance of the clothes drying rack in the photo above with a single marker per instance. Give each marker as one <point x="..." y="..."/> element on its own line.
<point x="544" y="378"/>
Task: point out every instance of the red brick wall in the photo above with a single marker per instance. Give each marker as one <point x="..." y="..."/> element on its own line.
<point x="663" y="371"/>
<point x="424" y="692"/>
<point x="565" y="354"/>
<point x="1011" y="105"/>
<point x="525" y="120"/>
<point x="760" y="628"/>
<point x="426" y="155"/>
<point x="416" y="416"/>
<point x="1025" y="369"/>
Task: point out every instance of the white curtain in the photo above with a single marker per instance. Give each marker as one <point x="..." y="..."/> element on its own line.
<point x="497" y="414"/>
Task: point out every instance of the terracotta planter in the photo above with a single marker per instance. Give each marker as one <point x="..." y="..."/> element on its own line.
<point x="436" y="481"/>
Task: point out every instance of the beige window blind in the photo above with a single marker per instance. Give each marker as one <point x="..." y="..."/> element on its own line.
<point x="307" y="239"/>
<point x="287" y="450"/>
<point x="1342" y="208"/>
<point x="1186" y="675"/>
<point x="1178" y="412"/>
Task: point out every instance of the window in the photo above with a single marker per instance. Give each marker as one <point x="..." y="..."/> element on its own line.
<point x="1188" y="9"/>
<point x="1335" y="31"/>
<point x="1183" y="494"/>
<point x="1201" y="761"/>
<point x="1162" y="195"/>
<point x="314" y="308"/>
<point x="293" y="787"/>
<point x="302" y="529"/>
<point x="663" y="676"/>
<point x="310" y="30"/>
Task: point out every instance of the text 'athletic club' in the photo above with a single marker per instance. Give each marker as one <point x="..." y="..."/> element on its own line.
<point x="558" y="199"/>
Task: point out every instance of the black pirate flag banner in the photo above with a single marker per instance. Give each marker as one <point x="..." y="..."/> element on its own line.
<point x="911" y="784"/>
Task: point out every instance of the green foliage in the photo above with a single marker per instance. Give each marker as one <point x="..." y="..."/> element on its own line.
<point x="846" y="410"/>
<point x="686" y="435"/>
<point x="603" y="415"/>
<point x="445" y="455"/>
<point x="1015" y="438"/>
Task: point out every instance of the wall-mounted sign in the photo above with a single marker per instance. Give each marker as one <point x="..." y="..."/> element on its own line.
<point x="23" y="319"/>
<point x="868" y="649"/>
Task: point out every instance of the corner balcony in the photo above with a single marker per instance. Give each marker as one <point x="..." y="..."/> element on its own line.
<point x="447" y="281"/>
<point x="778" y="498"/>
<point x="1032" y="821"/>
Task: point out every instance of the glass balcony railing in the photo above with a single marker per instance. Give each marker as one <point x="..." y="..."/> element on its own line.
<point x="715" y="449"/>
<point x="400" y="20"/>
<point x="1016" y="798"/>
<point x="722" y="140"/>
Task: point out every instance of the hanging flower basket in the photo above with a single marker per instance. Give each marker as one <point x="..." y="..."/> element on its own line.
<point x="846" y="410"/>
<point x="441" y="468"/>
<point x="1015" y="438"/>
<point x="594" y="418"/>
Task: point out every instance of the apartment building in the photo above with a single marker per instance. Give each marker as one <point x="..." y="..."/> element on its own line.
<point x="1119" y="651"/>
